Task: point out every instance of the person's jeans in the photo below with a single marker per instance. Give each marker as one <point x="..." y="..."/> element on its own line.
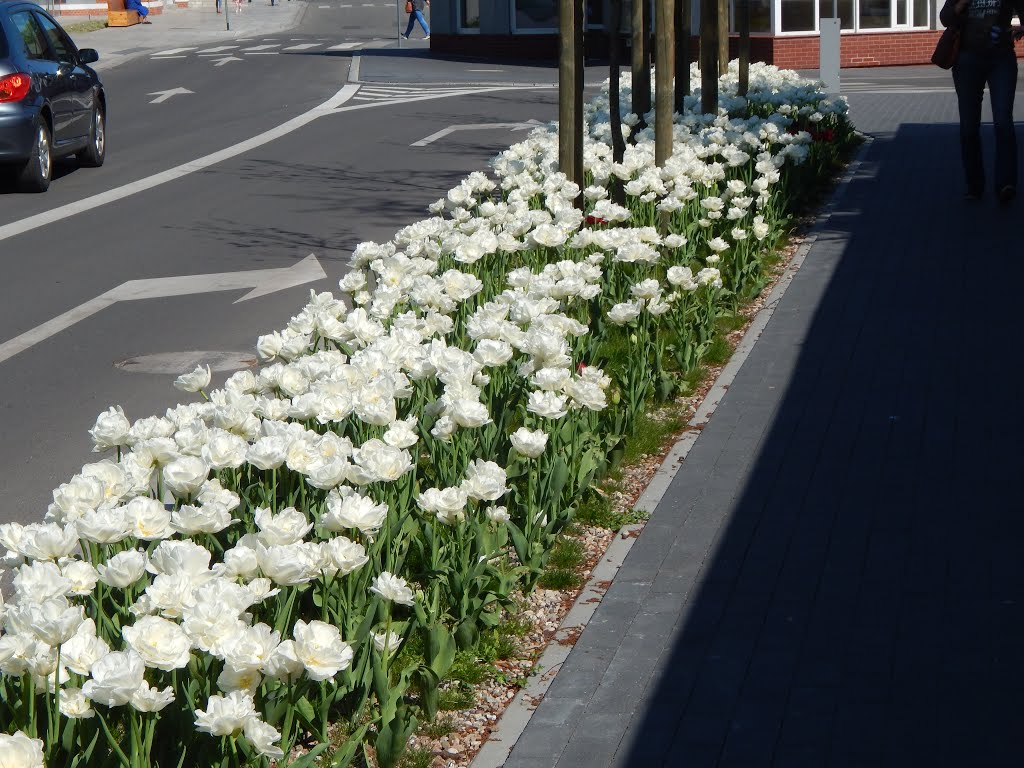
<point x="417" y="15"/>
<point x="998" y="68"/>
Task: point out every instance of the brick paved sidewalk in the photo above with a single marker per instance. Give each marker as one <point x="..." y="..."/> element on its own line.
<point x="835" y="576"/>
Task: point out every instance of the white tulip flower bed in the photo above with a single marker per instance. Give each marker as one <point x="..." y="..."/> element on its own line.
<point x="306" y="547"/>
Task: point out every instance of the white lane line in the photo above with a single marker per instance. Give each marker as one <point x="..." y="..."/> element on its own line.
<point x="218" y="49"/>
<point x="170" y="51"/>
<point x="344" y="46"/>
<point x="260" y="47"/>
<point x="170" y="57"/>
<point x="329" y="107"/>
<point x="262" y="53"/>
<point x="302" y="47"/>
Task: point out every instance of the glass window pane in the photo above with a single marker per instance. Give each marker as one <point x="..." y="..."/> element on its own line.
<point x="875" y="14"/>
<point x="469" y="14"/>
<point x="920" y="13"/>
<point x="58" y="40"/>
<point x="760" y="15"/>
<point x="595" y="13"/>
<point x="844" y="8"/>
<point x="31" y="34"/>
<point x="797" y="15"/>
<point x="536" y="14"/>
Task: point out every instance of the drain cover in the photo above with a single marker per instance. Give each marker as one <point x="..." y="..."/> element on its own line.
<point x="176" y="363"/>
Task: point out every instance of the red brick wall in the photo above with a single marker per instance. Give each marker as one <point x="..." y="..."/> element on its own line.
<point x="868" y="49"/>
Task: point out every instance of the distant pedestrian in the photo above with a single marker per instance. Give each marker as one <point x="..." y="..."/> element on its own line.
<point x="986" y="56"/>
<point x="417" y="15"/>
<point x="139" y="8"/>
<point x="238" y="6"/>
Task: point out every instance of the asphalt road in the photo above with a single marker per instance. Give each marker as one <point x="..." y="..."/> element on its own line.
<point x="318" y="188"/>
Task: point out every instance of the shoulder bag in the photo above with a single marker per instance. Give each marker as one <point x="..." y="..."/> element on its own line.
<point x="948" y="47"/>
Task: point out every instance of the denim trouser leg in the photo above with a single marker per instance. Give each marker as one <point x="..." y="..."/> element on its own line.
<point x="417" y="15"/>
<point x="1002" y="83"/>
<point x="969" y="78"/>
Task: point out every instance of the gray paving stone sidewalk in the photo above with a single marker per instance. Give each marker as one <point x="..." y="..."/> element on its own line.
<point x="834" y="577"/>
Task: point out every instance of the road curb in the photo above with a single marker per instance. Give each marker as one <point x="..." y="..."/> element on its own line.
<point x="513" y="721"/>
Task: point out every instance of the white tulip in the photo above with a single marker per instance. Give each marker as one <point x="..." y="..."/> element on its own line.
<point x="529" y="443"/>
<point x="123" y="569"/>
<point x="393" y="588"/>
<point x="115" y="678"/>
<point x="226" y="715"/>
<point x="149" y="699"/>
<point x="160" y="643"/>
<point x="20" y="751"/>
<point x="111" y="429"/>
<point x="320" y="649"/>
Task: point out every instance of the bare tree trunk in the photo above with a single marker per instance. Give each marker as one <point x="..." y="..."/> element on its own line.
<point x="614" y="73"/>
<point x="709" y="56"/>
<point x="570" y="91"/>
<point x="743" y="24"/>
<point x="663" y="71"/>
<point x="723" y="36"/>
<point x="682" y="24"/>
<point x="641" y="61"/>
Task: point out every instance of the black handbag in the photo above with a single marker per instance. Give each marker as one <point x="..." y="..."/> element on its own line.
<point x="948" y="47"/>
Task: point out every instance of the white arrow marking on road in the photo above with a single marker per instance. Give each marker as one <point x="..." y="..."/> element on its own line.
<point x="162" y="96"/>
<point x="475" y="127"/>
<point x="261" y="281"/>
<point x="225" y="60"/>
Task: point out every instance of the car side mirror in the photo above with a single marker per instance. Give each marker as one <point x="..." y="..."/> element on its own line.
<point x="88" y="55"/>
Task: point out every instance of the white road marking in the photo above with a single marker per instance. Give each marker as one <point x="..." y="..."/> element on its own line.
<point x="261" y="281"/>
<point x="161" y="58"/>
<point x="474" y="127"/>
<point x="329" y="107"/>
<point x="260" y="47"/>
<point x="226" y="60"/>
<point x="162" y="96"/>
<point x="171" y="51"/>
<point x="302" y="47"/>
<point x="344" y="46"/>
<point x="218" y="49"/>
<point x="262" y="53"/>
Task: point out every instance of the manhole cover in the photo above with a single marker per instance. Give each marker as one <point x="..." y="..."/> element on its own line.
<point x="177" y="363"/>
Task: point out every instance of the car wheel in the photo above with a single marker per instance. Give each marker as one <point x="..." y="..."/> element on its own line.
<point x="35" y="174"/>
<point x="92" y="156"/>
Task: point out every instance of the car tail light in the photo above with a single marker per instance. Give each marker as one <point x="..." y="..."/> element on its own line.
<point x="14" y="87"/>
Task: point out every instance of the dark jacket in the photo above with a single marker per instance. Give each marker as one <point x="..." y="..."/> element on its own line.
<point x="984" y="24"/>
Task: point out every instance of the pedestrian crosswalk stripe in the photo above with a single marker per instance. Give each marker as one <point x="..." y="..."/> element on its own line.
<point x="172" y="51"/>
<point x="302" y="46"/>
<point x="344" y="46"/>
<point x="260" y="47"/>
<point x="218" y="49"/>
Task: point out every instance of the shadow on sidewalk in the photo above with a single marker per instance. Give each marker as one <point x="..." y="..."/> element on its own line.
<point x="863" y="603"/>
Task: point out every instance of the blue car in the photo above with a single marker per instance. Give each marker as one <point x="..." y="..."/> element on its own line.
<point x="52" y="102"/>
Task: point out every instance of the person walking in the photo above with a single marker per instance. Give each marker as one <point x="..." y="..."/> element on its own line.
<point x="415" y="8"/>
<point x="986" y="56"/>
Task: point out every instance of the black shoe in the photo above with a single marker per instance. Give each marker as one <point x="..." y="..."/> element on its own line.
<point x="1006" y="193"/>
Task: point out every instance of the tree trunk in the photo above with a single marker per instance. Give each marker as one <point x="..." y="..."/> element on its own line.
<point x="723" y="36"/>
<point x="641" y="61"/>
<point x="682" y="24"/>
<point x="663" y="71"/>
<point x="743" y="24"/>
<point x="570" y="91"/>
<point x="614" y="73"/>
<point x="709" y="56"/>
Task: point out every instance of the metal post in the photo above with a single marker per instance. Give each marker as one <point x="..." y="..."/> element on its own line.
<point x="566" y="86"/>
<point x="398" y="21"/>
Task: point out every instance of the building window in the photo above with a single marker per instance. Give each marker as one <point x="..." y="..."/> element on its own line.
<point x="760" y="16"/>
<point x="469" y="14"/>
<point x="797" y="16"/>
<point x="842" y="8"/>
<point x="535" y="14"/>
<point x="875" y="14"/>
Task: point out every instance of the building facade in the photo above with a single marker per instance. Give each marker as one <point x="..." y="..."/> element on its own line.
<point x="783" y="32"/>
